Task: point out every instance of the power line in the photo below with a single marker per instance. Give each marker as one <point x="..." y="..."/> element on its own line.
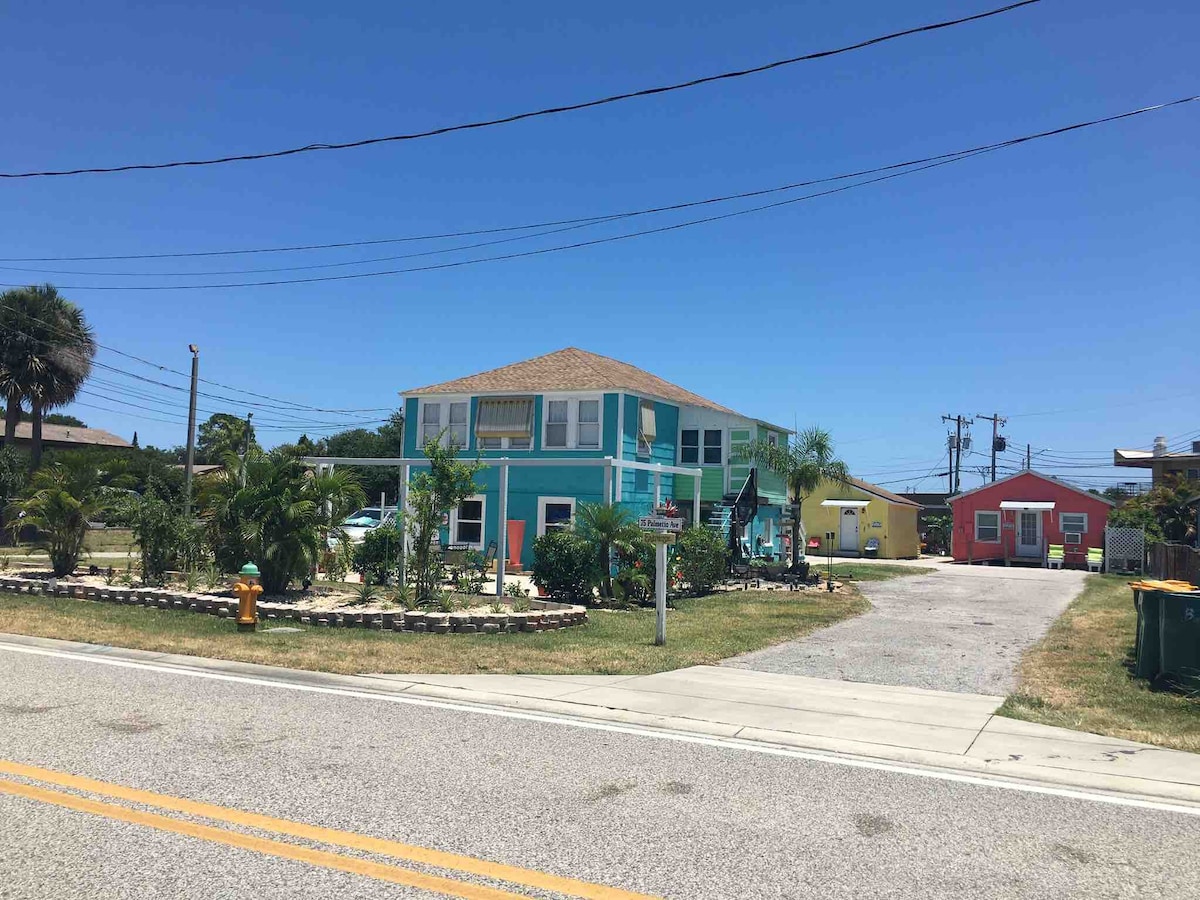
<point x="163" y="368"/>
<point x="503" y="120"/>
<point x="612" y="238"/>
<point x="610" y="217"/>
<point x="508" y="256"/>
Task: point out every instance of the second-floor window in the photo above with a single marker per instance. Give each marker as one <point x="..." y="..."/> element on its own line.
<point x="572" y="424"/>
<point x="689" y="447"/>
<point x="710" y="453"/>
<point x="504" y="423"/>
<point x="712" y="446"/>
<point x="450" y="415"/>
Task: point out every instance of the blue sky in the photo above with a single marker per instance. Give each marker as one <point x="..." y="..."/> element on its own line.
<point x="1058" y="278"/>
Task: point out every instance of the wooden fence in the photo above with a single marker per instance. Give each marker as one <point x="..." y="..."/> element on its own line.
<point x="1175" y="561"/>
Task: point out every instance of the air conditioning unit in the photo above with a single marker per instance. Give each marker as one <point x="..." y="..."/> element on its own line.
<point x="1072" y="537"/>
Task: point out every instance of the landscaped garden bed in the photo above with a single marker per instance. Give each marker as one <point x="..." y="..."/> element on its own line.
<point x="470" y="617"/>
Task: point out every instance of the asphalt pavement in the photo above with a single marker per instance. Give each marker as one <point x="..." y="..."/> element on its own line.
<point x="639" y="813"/>
<point x="960" y="628"/>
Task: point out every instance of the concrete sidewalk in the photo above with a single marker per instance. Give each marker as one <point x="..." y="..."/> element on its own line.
<point x="942" y="730"/>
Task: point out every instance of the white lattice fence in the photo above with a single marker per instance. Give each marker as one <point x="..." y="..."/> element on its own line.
<point x="1124" y="549"/>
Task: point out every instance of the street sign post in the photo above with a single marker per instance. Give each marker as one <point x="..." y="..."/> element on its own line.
<point x="660" y="523"/>
<point x="661" y="530"/>
<point x="829" y="536"/>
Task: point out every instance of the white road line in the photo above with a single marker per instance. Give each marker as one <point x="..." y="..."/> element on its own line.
<point x="661" y="734"/>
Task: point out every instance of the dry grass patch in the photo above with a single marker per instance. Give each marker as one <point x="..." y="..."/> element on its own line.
<point x="700" y="632"/>
<point x="1078" y="676"/>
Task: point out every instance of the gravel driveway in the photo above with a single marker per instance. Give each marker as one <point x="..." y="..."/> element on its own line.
<point x="962" y="628"/>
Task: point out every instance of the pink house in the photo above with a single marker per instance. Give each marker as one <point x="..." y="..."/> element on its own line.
<point x="1017" y="518"/>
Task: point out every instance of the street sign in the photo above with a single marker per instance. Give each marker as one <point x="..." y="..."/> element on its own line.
<point x="658" y="537"/>
<point x="660" y="523"/>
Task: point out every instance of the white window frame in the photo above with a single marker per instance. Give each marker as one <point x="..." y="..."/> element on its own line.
<point x="772" y="439"/>
<point x="1082" y="532"/>
<point x="646" y="447"/>
<point x="541" y="510"/>
<point x="704" y="445"/>
<point x="572" y="401"/>
<point x="443" y="405"/>
<point x="482" y="498"/>
<point x="505" y="443"/>
<point x="999" y="526"/>
<point x="699" y="446"/>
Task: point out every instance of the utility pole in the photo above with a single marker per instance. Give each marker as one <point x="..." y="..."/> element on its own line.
<point x="956" y="449"/>
<point x="1028" y="458"/>
<point x="191" y="438"/>
<point x="998" y="443"/>
<point x="246" y="448"/>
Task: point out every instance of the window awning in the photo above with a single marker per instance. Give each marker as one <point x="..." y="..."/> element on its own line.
<point x="647" y="421"/>
<point x="510" y="417"/>
<point x="1027" y="504"/>
<point x="849" y="504"/>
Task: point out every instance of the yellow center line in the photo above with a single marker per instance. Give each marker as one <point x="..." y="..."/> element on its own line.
<point x="348" y="839"/>
<point x="354" y="866"/>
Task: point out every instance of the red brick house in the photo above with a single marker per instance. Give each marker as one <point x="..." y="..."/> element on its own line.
<point x="1016" y="518"/>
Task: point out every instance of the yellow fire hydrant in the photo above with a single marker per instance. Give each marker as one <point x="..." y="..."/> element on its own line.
<point x="247" y="590"/>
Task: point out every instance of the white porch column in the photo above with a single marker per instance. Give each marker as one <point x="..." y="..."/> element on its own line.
<point x="657" y="488"/>
<point x="502" y="535"/>
<point x="696" y="500"/>
<point x="608" y="481"/>
<point x="402" y="521"/>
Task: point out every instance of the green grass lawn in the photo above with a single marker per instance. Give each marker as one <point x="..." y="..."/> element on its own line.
<point x="869" y="571"/>
<point x="701" y="631"/>
<point x="1078" y="676"/>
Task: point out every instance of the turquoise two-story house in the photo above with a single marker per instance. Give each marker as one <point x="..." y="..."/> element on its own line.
<point x="617" y="422"/>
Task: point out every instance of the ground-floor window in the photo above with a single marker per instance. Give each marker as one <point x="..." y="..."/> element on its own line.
<point x="987" y="526"/>
<point x="555" y="514"/>
<point x="466" y="525"/>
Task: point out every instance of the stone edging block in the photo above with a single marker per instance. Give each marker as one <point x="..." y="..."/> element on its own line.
<point x="544" y="615"/>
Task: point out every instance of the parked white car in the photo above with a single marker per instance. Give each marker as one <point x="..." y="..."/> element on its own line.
<point x="356" y="526"/>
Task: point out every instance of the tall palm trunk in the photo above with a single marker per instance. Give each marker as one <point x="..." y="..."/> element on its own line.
<point x="796" y="534"/>
<point x="12" y="415"/>
<point x="35" y="447"/>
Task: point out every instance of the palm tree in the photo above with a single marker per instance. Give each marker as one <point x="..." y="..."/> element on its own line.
<point x="269" y="509"/>
<point x="46" y="351"/>
<point x="608" y="527"/>
<point x="804" y="464"/>
<point x="60" y="501"/>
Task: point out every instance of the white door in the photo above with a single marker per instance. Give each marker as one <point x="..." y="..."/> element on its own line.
<point x="1029" y="533"/>
<point x="849" y="531"/>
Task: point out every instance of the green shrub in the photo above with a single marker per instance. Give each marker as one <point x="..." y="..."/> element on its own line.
<point x="565" y="566"/>
<point x="378" y="556"/>
<point x="701" y="558"/>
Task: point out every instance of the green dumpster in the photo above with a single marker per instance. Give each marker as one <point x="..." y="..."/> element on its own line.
<point x="1179" y="623"/>
<point x="1168" y="635"/>
<point x="1148" y="645"/>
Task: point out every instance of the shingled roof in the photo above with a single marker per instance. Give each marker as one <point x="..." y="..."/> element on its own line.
<point x="70" y="434"/>
<point x="571" y="369"/>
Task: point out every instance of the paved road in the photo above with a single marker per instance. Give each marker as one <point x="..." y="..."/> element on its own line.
<point x="640" y="813"/>
<point x="961" y="628"/>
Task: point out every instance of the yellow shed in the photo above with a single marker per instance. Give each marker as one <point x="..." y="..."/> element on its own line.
<point x="881" y="516"/>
